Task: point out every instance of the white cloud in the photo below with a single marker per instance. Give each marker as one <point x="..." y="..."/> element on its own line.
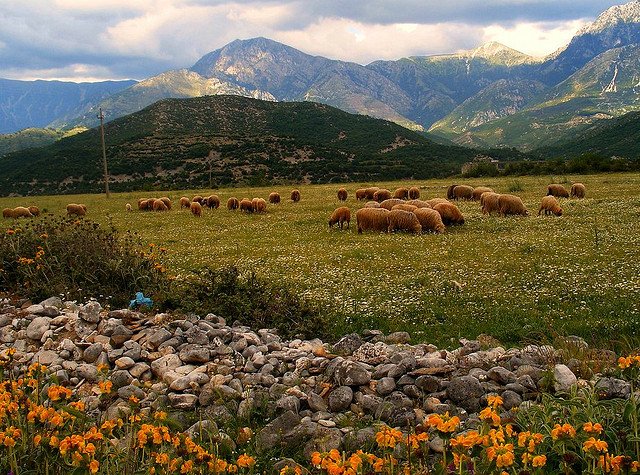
<point x="536" y="39"/>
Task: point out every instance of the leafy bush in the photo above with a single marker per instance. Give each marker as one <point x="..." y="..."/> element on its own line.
<point x="77" y="258"/>
<point x="247" y="298"/>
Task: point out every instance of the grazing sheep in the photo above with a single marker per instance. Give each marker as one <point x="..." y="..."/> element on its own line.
<point x="478" y="190"/>
<point x="405" y="207"/>
<point x="185" y="202"/>
<point x="166" y="201"/>
<point x="434" y="201"/>
<point x="143" y="204"/>
<point x="21" y="212"/>
<point x="489" y="202"/>
<point x="274" y="198"/>
<point x="340" y="216"/>
<point x="462" y="192"/>
<point x="371" y="204"/>
<point x="34" y="210"/>
<point x="549" y="205"/>
<point x="213" y="202"/>
<point x="233" y="203"/>
<point x="259" y="205"/>
<point x="361" y="194"/>
<point x="7" y="213"/>
<point x="246" y="205"/>
<point x="511" y="205"/>
<point x="401" y="193"/>
<point x="403" y="221"/>
<point x="381" y="195"/>
<point x="449" y="213"/>
<point x="159" y="205"/>
<point x="450" y="195"/>
<point x="430" y="220"/>
<point x="342" y="194"/>
<point x="295" y="196"/>
<point x="196" y="208"/>
<point x="414" y="193"/>
<point x="128" y="207"/>
<point x="198" y="199"/>
<point x="419" y="203"/>
<point x="578" y="190"/>
<point x="375" y="219"/>
<point x="388" y="204"/>
<point x="369" y="192"/>
<point x="77" y="209"/>
<point x="558" y="191"/>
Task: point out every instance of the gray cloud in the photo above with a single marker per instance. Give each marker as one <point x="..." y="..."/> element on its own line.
<point x="120" y="39"/>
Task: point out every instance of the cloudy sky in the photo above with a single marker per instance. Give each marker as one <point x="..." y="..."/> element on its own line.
<point x="91" y="40"/>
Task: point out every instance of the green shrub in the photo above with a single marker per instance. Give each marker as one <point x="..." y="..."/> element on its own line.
<point x="78" y="259"/>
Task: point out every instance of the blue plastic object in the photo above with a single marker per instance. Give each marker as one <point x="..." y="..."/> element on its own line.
<point x="141" y="300"/>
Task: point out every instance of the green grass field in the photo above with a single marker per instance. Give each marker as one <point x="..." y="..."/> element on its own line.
<point x="520" y="279"/>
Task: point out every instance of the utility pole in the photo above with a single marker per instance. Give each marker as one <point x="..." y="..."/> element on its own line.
<point x="104" y="154"/>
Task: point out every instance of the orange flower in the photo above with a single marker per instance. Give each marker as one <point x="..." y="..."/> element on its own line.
<point x="594" y="445"/>
<point x="388" y="437"/>
<point x="94" y="466"/>
<point x="529" y="440"/>
<point x="624" y="362"/>
<point x="245" y="461"/>
<point x="502" y="454"/>
<point x="539" y="461"/>
<point x="187" y="467"/>
<point x="490" y="416"/>
<point x="591" y="428"/>
<point x="443" y="423"/>
<point x="494" y="401"/>
<point x="565" y="430"/>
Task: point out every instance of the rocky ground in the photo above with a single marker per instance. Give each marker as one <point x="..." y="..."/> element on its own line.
<point x="306" y="390"/>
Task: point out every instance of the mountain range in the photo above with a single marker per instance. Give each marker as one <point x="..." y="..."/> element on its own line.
<point x="492" y="96"/>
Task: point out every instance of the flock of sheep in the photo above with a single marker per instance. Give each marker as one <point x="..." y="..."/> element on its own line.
<point x="383" y="210"/>
<point x="404" y="210"/>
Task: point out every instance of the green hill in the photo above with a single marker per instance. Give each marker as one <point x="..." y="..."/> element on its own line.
<point x="226" y="140"/>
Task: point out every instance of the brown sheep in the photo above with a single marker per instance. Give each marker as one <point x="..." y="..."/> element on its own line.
<point x="159" y="205"/>
<point x="143" y="204"/>
<point x="463" y="192"/>
<point x="274" y="198"/>
<point x="213" y="202"/>
<point x="259" y="205"/>
<point x="388" y="204"/>
<point x="340" y="216"/>
<point x="550" y="205"/>
<point x="434" y="201"/>
<point x="34" y="210"/>
<point x="414" y="193"/>
<point x="405" y="207"/>
<point x="196" y="208"/>
<point x="375" y="219"/>
<point x="246" y="205"/>
<point x="403" y="221"/>
<point x="478" y="190"/>
<point x="77" y="209"/>
<point x="558" y="191"/>
<point x="185" y="202"/>
<point x="128" y="207"/>
<point x="361" y="194"/>
<point x="7" y="213"/>
<point x="419" y="203"/>
<point x="233" y="203"/>
<point x="430" y="220"/>
<point x="295" y="196"/>
<point x="489" y="202"/>
<point x="198" y="199"/>
<point x="401" y="193"/>
<point x="381" y="195"/>
<point x="369" y="192"/>
<point x="21" y="212"/>
<point x="511" y="205"/>
<point x="166" y="201"/>
<point x="342" y="194"/>
<point x="450" y="195"/>
<point x="449" y="213"/>
<point x="371" y="204"/>
<point x="578" y="190"/>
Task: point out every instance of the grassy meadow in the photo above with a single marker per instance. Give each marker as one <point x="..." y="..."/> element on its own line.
<point x="517" y="279"/>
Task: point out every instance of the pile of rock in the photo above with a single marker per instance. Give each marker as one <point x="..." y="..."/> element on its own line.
<point x="306" y="387"/>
